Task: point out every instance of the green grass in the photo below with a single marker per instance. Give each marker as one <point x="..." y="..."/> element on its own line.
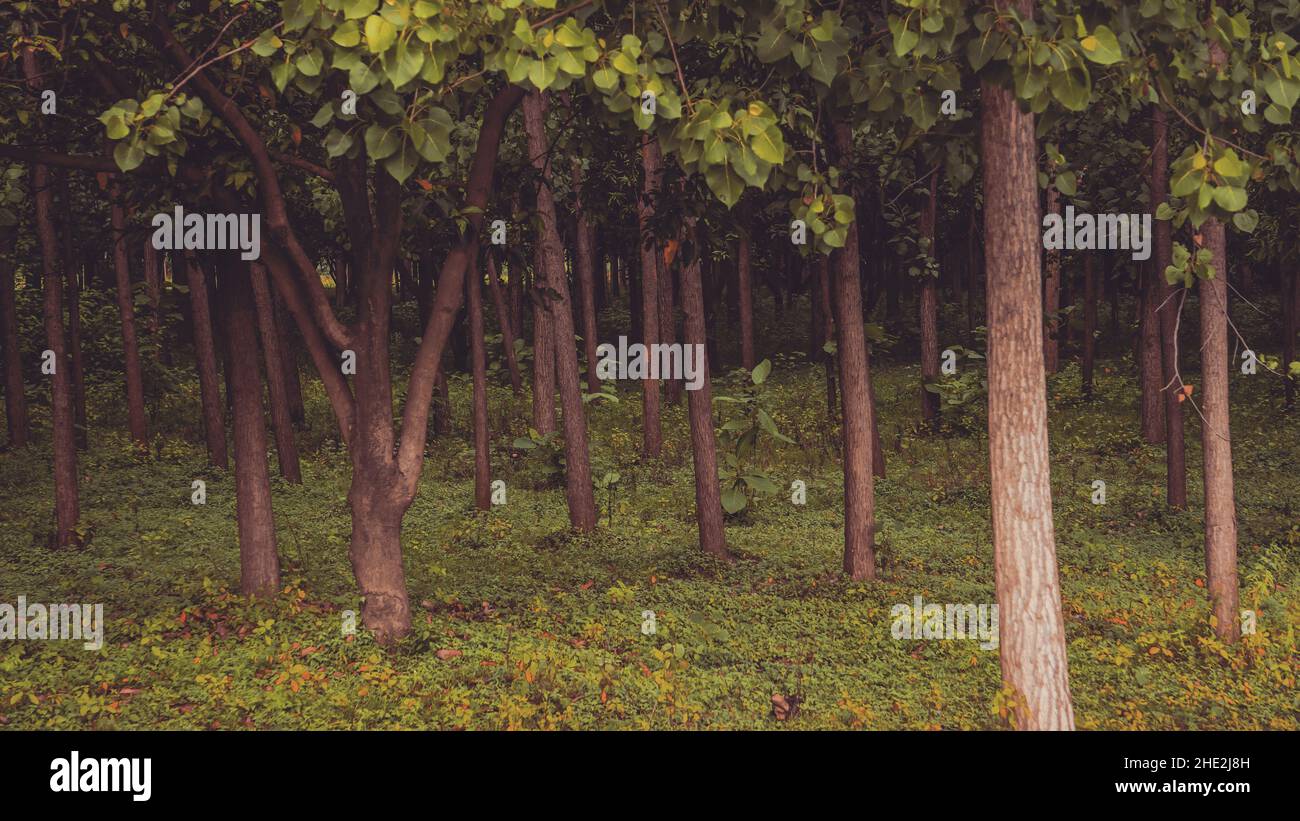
<point x="545" y="626"/>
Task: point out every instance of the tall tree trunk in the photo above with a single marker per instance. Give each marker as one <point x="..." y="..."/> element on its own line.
<point x="699" y="408"/>
<point x="507" y="332"/>
<point x="1216" y="441"/>
<point x="1167" y="309"/>
<point x="478" y="361"/>
<point x="214" y="424"/>
<point x="286" y="448"/>
<point x="745" y="289"/>
<point x="259" y="563"/>
<point x="16" y="417"/>
<point x="289" y="362"/>
<point x="1150" y="365"/>
<point x="153" y="290"/>
<point x="543" y="349"/>
<point x="62" y="411"/>
<point x="1032" y="633"/>
<point x="668" y="326"/>
<point x="651" y="164"/>
<point x="73" y="296"/>
<point x="126" y="310"/>
<point x="856" y="416"/>
<point x="582" y="500"/>
<point x="585" y="259"/>
<point x="1089" y="323"/>
<point x="1052" y="293"/>
<point x="930" y="312"/>
<point x="826" y="316"/>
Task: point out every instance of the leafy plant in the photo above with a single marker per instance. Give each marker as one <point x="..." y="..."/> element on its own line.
<point x="740" y="435"/>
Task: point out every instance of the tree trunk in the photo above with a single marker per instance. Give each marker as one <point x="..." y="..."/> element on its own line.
<point x="1150" y="364"/>
<point x="62" y="412"/>
<point x="259" y="563"/>
<point x="289" y="362"/>
<point x="153" y="290"/>
<point x="214" y="424"/>
<point x="507" y="332"/>
<point x="126" y="310"/>
<point x="667" y="326"/>
<point x="585" y="259"/>
<point x="745" y="289"/>
<point x="73" y="296"/>
<point x="699" y="408"/>
<point x="1216" y="441"/>
<point x="543" y="349"/>
<point x="1032" y="634"/>
<point x="16" y="416"/>
<point x="1167" y="309"/>
<point x="286" y="448"/>
<point x="478" y="362"/>
<point x="651" y="164"/>
<point x="856" y="414"/>
<point x="578" y="486"/>
<point x="930" y="313"/>
<point x="826" y="315"/>
<point x="1052" y="293"/>
<point x="1089" y="323"/>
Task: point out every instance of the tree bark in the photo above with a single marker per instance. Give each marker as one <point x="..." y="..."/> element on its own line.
<point x="930" y="312"/>
<point x="1052" y="293"/>
<point x="289" y="362"/>
<point x="1167" y="310"/>
<point x="62" y="411"/>
<point x="507" y="332"/>
<point x="699" y="408"/>
<point x="584" y="268"/>
<point x="651" y="164"/>
<point x="72" y="286"/>
<point x="286" y="448"/>
<point x="1032" y="633"/>
<point x="1216" y="441"/>
<point x="259" y="563"/>
<point x="1151" y="365"/>
<point x="578" y="486"/>
<point x="214" y="424"/>
<point x="16" y="416"/>
<point x="745" y="288"/>
<point x="543" y="349"/>
<point x="856" y="413"/>
<point x="826" y="317"/>
<point x="478" y="362"/>
<point x="126" y="310"/>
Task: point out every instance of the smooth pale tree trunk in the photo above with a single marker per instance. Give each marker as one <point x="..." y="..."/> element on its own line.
<point x="126" y="311"/>
<point x="651" y="164"/>
<point x="259" y="563"/>
<point x="507" y="332"/>
<point x="478" y="364"/>
<point x="930" y="313"/>
<point x="1052" y="293"/>
<point x="16" y="416"/>
<point x="745" y="289"/>
<point x="577" y="478"/>
<point x="544" y="419"/>
<point x="1169" y="303"/>
<point x="62" y="412"/>
<point x="1032" y="633"/>
<point x="857" y="413"/>
<point x="1089" y="323"/>
<point x="72" y="287"/>
<point x="584" y="258"/>
<point x="286" y="448"/>
<point x="1216" y="441"/>
<point x="699" y="409"/>
<point x="205" y="355"/>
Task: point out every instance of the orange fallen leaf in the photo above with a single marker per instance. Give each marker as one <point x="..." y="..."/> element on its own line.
<point x="446" y="653"/>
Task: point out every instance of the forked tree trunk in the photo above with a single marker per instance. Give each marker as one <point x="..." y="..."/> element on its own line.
<point x="1031" y="629"/>
<point x="126" y="311"/>
<point x="1216" y="441"/>
<point x="1169" y="303"/>
<point x="259" y="563"/>
<point x="651" y="164"/>
<point x="577" y="477"/>
<point x="62" y="412"/>
<point x="1052" y="293"/>
<point x="478" y="364"/>
<point x="930" y="313"/>
<point x="205" y="355"/>
<point x="286" y="448"/>
<point x="857" y="413"/>
<point x="507" y="332"/>
<point x="16" y="417"/>
<point x="699" y="407"/>
<point x="584" y="259"/>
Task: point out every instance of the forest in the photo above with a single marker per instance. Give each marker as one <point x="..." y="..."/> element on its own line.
<point x="649" y="364"/>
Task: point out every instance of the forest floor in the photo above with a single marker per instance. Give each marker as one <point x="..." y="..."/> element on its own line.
<point x="520" y="624"/>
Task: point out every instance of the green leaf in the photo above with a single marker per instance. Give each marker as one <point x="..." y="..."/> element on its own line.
<point x="347" y="35"/>
<point x="356" y="9"/>
<point x="128" y="156"/>
<point x="734" y="499"/>
<point x="1245" y="220"/>
<point x="761" y="371"/>
<point x="382" y="141"/>
<point x="1101" y="47"/>
<point x="380" y="34"/>
<point x="1230" y="197"/>
<point x="769" y="145"/>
